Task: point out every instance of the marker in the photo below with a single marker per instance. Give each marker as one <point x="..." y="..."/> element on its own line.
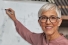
<point x="5" y="9"/>
<point x="9" y="11"/>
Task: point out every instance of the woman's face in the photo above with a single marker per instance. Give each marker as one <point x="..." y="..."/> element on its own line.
<point x="49" y="21"/>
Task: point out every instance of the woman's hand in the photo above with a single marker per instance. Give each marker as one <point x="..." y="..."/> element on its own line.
<point x="11" y="13"/>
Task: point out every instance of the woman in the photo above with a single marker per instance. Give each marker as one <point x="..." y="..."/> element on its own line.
<point x="49" y="20"/>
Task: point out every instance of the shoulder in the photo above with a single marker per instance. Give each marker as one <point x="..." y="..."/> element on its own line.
<point x="63" y="41"/>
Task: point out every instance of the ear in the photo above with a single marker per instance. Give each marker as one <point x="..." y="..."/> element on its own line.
<point x="60" y="21"/>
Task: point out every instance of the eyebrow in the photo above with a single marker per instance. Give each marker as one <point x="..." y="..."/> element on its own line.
<point x="50" y="16"/>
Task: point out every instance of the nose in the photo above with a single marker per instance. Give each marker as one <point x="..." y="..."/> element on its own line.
<point x="48" y="21"/>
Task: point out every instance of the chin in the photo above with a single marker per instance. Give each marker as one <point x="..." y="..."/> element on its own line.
<point x="49" y="33"/>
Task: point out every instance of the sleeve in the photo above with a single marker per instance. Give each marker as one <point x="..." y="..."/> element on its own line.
<point x="30" y="37"/>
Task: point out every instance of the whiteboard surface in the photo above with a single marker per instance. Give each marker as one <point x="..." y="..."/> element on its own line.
<point x="26" y="13"/>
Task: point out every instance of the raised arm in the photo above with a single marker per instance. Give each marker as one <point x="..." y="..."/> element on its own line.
<point x="21" y="29"/>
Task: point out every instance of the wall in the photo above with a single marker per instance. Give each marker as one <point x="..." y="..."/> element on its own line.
<point x="16" y="0"/>
<point x="26" y="13"/>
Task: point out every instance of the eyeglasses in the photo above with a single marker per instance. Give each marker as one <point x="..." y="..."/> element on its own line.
<point x="52" y="19"/>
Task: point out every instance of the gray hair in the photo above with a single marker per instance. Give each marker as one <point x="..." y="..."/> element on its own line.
<point x="49" y="6"/>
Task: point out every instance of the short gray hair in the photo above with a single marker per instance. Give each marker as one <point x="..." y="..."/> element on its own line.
<point x="48" y="6"/>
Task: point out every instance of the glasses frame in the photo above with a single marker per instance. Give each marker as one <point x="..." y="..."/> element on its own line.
<point x="49" y="18"/>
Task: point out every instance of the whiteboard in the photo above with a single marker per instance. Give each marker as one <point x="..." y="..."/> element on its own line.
<point x="26" y="13"/>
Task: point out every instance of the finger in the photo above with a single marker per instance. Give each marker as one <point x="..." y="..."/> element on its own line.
<point x="7" y="12"/>
<point x="11" y="9"/>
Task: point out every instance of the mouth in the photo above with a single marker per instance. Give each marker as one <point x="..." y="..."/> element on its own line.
<point x="48" y="27"/>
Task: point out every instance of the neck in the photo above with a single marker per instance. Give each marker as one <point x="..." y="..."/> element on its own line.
<point x="53" y="36"/>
